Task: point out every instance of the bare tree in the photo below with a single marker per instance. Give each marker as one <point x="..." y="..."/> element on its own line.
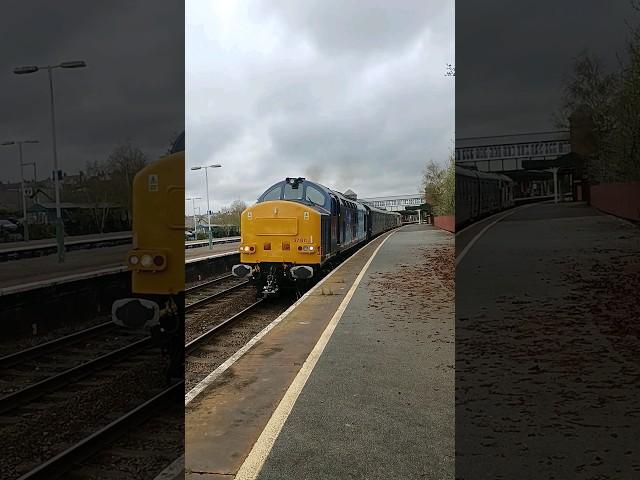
<point x="230" y="216"/>
<point x="109" y="183"/>
<point x="121" y="166"/>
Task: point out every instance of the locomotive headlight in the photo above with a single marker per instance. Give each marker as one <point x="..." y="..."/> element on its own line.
<point x="305" y="248"/>
<point x="311" y="248"/>
<point x="133" y="260"/>
<point x="146" y="260"/>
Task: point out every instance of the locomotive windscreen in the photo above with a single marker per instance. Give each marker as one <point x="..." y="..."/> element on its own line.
<point x="178" y="145"/>
<point x="307" y="192"/>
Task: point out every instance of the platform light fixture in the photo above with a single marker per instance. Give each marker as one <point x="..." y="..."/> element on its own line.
<point x="27" y="69"/>
<point x="206" y="177"/>
<point x="193" y="204"/>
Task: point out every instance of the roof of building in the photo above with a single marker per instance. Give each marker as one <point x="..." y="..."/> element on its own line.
<point x="391" y="197"/>
<point x="512" y="139"/>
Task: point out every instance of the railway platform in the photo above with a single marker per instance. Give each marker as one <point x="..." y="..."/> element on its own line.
<point x="205" y="243"/>
<point x="69" y="240"/>
<point x="39" y="248"/>
<point x="355" y="380"/>
<point x="547" y="341"/>
<point x="26" y="274"/>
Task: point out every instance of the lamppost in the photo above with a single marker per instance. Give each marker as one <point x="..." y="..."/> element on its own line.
<point x="554" y="170"/>
<point x="56" y="174"/>
<point x="195" y="224"/>
<point x="206" y="178"/>
<point x="25" y="225"/>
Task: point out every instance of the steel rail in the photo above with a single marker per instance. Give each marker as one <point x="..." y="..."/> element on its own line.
<point x="47" y="347"/>
<point x="210" y="298"/>
<point x="62" y="463"/>
<point x="50" y="384"/>
<point x="195" y="343"/>
<point x="207" y="283"/>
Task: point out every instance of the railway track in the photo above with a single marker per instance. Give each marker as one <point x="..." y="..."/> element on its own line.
<point x="201" y="339"/>
<point x="35" y="372"/>
<point x="226" y="334"/>
<point x="142" y="436"/>
<point x="126" y="444"/>
<point x="210" y="303"/>
<point x="203" y="293"/>
<point x="75" y="403"/>
<point x="21" y="397"/>
<point x="57" y="343"/>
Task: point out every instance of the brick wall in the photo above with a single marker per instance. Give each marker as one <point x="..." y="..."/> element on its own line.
<point x="447" y="223"/>
<point x="619" y="199"/>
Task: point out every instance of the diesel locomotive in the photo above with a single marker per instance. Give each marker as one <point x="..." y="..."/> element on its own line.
<point x="297" y="228"/>
<point x="156" y="261"/>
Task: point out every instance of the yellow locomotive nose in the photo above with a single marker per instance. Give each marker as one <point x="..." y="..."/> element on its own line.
<point x="280" y="231"/>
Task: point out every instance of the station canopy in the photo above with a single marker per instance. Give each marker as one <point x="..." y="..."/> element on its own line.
<point x="567" y="161"/>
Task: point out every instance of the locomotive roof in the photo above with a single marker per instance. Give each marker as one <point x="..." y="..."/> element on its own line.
<point x="327" y="191"/>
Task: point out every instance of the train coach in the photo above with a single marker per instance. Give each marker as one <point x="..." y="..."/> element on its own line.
<point x="479" y="194"/>
<point x="297" y="228"/>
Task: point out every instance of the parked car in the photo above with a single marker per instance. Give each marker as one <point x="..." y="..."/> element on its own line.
<point x="7" y="226"/>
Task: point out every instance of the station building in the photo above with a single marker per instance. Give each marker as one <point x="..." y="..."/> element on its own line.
<point x="536" y="161"/>
<point x="395" y="203"/>
<point x="398" y="203"/>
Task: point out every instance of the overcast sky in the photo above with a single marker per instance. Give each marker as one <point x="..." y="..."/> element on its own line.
<point x="351" y="96"/>
<point x="511" y="58"/>
<point x="132" y="89"/>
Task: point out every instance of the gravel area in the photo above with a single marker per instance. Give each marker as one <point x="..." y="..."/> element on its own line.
<point x="39" y="368"/>
<point x="15" y="344"/>
<point x="57" y="421"/>
<point x="203" y="318"/>
<point x="202" y="281"/>
<point x="142" y="454"/>
<point x="206" y="291"/>
<point x="219" y="348"/>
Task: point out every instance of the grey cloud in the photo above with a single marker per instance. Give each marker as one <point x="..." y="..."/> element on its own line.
<point x="362" y="105"/>
<point x="511" y="58"/>
<point x="132" y="89"/>
<point x="339" y="27"/>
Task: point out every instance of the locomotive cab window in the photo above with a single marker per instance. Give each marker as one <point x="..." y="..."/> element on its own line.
<point x="315" y="196"/>
<point x="273" y="194"/>
<point x="291" y="193"/>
